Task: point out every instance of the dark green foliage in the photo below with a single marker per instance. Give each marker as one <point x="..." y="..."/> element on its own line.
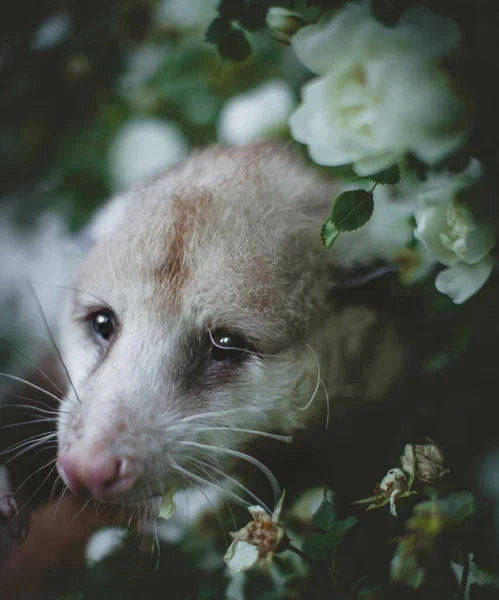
<point x="231" y="43"/>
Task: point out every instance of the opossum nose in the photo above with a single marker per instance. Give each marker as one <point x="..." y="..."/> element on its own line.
<point x="96" y="473"/>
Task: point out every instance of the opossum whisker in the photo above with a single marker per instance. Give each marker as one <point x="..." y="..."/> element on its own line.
<point x="217" y="413"/>
<point x="54" y="343"/>
<point x="259" y="465"/>
<point x="327" y="403"/>
<point x="287" y="439"/>
<point x="81" y="510"/>
<point x="32" y="385"/>
<point x="32" y="362"/>
<point x="98" y="504"/>
<point x="32" y="447"/>
<point x="216" y="483"/>
<point x="190" y="478"/>
<point x="41" y="420"/>
<point x="51" y="462"/>
<point x="318" y="381"/>
<point x="72" y="289"/>
<point x="37" y="489"/>
<point x="34" y="438"/>
<point x="47" y="409"/>
<point x="217" y="515"/>
<point x="235" y="482"/>
<point x="63" y="493"/>
<point x="54" y="486"/>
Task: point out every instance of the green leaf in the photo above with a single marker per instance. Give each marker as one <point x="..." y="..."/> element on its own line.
<point x="324" y="516"/>
<point x="218" y="29"/>
<point x="337" y="532"/>
<point x="329" y="233"/>
<point x="168" y="506"/>
<point x="253" y="17"/>
<point x="352" y="209"/>
<point x="389" y="176"/>
<point x="315" y="547"/>
<point x="231" y="43"/>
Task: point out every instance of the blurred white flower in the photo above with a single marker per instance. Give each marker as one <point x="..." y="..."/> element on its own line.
<point x="184" y="511"/>
<point x="381" y="92"/>
<point x="256" y="115"/>
<point x="448" y="228"/>
<point x="103" y="543"/>
<point x="283" y="23"/>
<point x="307" y="504"/>
<point x="55" y="30"/>
<point x="256" y="542"/>
<point x="143" y="147"/>
<point x="186" y="14"/>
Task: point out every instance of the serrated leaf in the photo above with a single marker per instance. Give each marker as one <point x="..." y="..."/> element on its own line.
<point x="324" y="516"/>
<point x="352" y="209"/>
<point x="337" y="532"/>
<point x="389" y="176"/>
<point x="329" y="233"/>
<point x="315" y="547"/>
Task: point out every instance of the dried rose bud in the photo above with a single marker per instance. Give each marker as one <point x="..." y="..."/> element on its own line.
<point x="429" y="460"/>
<point x="283" y="24"/>
<point x="257" y="541"/>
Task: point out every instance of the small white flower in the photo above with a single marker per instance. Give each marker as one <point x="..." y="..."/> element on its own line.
<point x="393" y="485"/>
<point x="143" y="147"/>
<point x="448" y="228"/>
<point x="381" y="92"/>
<point x="256" y="115"/>
<point x="257" y="541"/>
<point x="104" y="543"/>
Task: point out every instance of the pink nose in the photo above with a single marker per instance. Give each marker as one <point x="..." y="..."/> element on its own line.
<point x="97" y="473"/>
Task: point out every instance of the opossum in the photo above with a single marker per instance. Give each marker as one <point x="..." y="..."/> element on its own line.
<point x="202" y="317"/>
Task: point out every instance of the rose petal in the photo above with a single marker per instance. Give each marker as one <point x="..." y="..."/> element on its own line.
<point x="241" y="556"/>
<point x="461" y="281"/>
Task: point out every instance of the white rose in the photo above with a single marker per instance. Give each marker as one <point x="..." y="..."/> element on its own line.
<point x="381" y="92"/>
<point x="451" y="232"/>
<point x="143" y="147"/>
<point x="256" y="115"/>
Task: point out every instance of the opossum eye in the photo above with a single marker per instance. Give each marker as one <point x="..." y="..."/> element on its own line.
<point x="226" y="345"/>
<point x="103" y="324"/>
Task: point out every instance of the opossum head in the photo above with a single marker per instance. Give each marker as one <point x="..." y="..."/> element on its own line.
<point x="192" y="321"/>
